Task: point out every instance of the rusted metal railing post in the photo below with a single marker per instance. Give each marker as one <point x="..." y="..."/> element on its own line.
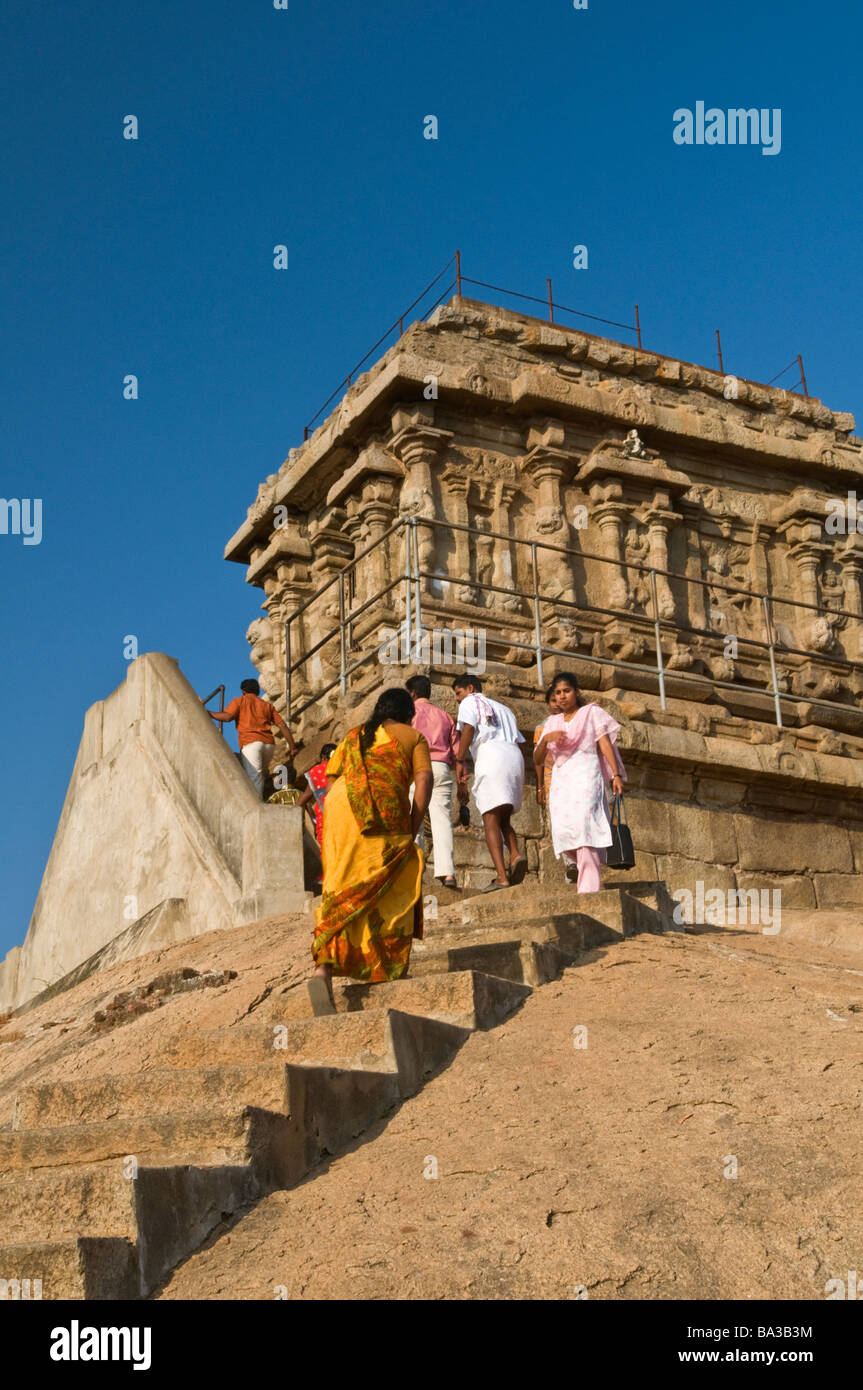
<point x="349" y="585"/>
<point x="719" y="350"/>
<point x="768" y="623"/>
<point x="638" y="325"/>
<point x="343" y="655"/>
<point x="458" y="273"/>
<point x="418" y="617"/>
<point x="409" y="598"/>
<point x="537" y="622"/>
<point x="660" y="669"/>
<point x="550" y="301"/>
<point x="802" y="375"/>
<point x="287" y="670"/>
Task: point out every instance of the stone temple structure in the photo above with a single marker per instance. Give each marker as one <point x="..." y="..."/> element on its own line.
<point x="519" y="497"/>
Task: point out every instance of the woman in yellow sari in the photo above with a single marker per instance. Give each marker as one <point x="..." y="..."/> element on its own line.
<point x="371" y="907"/>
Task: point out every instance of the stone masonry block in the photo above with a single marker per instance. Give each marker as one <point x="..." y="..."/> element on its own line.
<point x="838" y="890"/>
<point x="680" y="873"/>
<point x="792" y="846"/>
<point x="796" y="892"/>
<point x="711" y="791"/>
<point x="664" y="827"/>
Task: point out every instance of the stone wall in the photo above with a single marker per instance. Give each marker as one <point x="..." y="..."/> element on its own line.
<point x="158" y="812"/>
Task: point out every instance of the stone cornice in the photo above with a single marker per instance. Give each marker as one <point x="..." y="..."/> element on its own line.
<point x="596" y="380"/>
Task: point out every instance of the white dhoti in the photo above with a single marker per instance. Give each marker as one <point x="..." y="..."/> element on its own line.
<point x="498" y="775"/>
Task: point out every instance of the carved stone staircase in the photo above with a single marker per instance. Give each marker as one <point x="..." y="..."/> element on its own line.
<point x="107" y="1184"/>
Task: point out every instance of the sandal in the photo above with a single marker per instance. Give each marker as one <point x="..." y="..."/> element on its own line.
<point x="493" y="887"/>
<point x="448" y="882"/>
<point x="517" y="871"/>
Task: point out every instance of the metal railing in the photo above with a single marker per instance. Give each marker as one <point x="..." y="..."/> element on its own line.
<point x="220" y="691"/>
<point x="541" y="605"/>
<point x="459" y="279"/>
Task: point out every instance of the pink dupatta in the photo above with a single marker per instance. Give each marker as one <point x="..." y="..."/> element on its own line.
<point x="582" y="733"/>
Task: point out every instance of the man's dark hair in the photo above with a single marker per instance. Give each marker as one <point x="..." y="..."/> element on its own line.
<point x="462" y="683"/>
<point x="250" y="687"/>
<point x="327" y="751"/>
<point x="419" y="686"/>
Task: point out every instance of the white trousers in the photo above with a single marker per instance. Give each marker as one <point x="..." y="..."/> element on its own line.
<point x="440" y="815"/>
<point x="256" y="761"/>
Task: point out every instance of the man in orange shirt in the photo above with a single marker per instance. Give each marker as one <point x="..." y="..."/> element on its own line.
<point x="254" y="718"/>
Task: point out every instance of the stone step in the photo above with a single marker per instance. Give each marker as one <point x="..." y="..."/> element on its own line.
<point x="76" y="1269"/>
<point x="160" y="1215"/>
<point x="162" y="1211"/>
<point x="378" y="1040"/>
<point x="573" y="932"/>
<point x="523" y="962"/>
<point x="468" y="998"/>
<point x="324" y="1108"/>
<point x="612" y="909"/>
<point x="60" y="1203"/>
<point x="157" y="1093"/>
<point x="194" y="1168"/>
<point x="208" y="1136"/>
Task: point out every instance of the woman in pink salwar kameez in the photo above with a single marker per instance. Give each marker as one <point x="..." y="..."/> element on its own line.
<point x="581" y="738"/>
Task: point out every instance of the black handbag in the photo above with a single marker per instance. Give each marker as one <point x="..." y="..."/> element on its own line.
<point x="620" y="853"/>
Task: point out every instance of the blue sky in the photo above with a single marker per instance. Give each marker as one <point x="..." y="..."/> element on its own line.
<point x="305" y="127"/>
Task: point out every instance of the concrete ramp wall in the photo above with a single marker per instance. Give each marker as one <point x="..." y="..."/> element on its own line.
<point x="158" y="809"/>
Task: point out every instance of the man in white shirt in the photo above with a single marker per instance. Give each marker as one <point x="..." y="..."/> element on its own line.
<point x="489" y="730"/>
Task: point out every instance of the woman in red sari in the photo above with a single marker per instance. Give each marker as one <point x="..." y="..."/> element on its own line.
<point x="371" y="906"/>
<point x="317" y="788"/>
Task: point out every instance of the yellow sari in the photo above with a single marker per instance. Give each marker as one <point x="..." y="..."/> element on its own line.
<point x="371" y="906"/>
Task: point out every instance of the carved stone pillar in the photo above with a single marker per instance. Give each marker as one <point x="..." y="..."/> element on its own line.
<point x="331" y="551"/>
<point x="292" y="575"/>
<point x="807" y="558"/>
<point x="618" y="483"/>
<point x="659" y="523"/>
<point x="419" y="446"/>
<point x="367" y="491"/>
<point x="851" y="562"/>
<point x="378" y="512"/>
<point x="801" y="523"/>
<point x="611" y="516"/>
<point x="458" y="487"/>
<point x="281" y="570"/>
<point x="504" y="568"/>
<point x="551" y="467"/>
<point x="356" y="532"/>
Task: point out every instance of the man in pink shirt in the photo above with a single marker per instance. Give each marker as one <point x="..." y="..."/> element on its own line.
<point x="440" y="733"/>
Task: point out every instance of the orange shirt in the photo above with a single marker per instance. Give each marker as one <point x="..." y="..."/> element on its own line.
<point x="253" y="718"/>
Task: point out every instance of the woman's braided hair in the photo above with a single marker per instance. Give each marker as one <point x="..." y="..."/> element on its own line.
<point x="394" y="703"/>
